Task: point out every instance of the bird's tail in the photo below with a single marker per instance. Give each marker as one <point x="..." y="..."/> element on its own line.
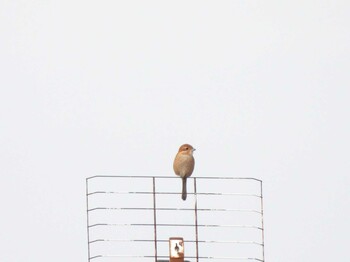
<point x="184" y="192"/>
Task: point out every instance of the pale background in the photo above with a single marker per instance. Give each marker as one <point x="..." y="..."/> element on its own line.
<point x="260" y="88"/>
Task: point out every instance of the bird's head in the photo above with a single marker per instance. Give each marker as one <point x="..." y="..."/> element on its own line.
<point x="186" y="149"/>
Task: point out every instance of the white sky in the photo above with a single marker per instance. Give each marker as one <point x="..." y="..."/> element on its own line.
<point x="260" y="88"/>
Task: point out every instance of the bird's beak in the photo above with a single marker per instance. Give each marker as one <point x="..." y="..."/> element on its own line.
<point x="193" y="149"/>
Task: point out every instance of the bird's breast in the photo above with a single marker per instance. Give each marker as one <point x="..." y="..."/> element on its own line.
<point x="183" y="165"/>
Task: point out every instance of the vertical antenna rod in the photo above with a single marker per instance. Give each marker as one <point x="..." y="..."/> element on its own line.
<point x="262" y="221"/>
<point x="87" y="218"/>
<point x="155" y="219"/>
<point x="196" y="220"/>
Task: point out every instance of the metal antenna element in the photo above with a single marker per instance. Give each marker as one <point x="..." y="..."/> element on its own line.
<point x="131" y="218"/>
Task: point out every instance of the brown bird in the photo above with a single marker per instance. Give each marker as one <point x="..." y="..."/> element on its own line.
<point x="184" y="165"/>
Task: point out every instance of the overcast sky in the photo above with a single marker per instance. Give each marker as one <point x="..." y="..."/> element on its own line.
<point x="260" y="88"/>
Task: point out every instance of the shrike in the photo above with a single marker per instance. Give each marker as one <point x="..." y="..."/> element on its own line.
<point x="184" y="165"/>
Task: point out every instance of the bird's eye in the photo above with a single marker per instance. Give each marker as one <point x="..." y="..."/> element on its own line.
<point x="186" y="148"/>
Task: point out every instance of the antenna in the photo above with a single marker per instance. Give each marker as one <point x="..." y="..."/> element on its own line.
<point x="140" y="218"/>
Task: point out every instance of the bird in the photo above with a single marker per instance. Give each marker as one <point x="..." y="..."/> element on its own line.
<point x="184" y="165"/>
